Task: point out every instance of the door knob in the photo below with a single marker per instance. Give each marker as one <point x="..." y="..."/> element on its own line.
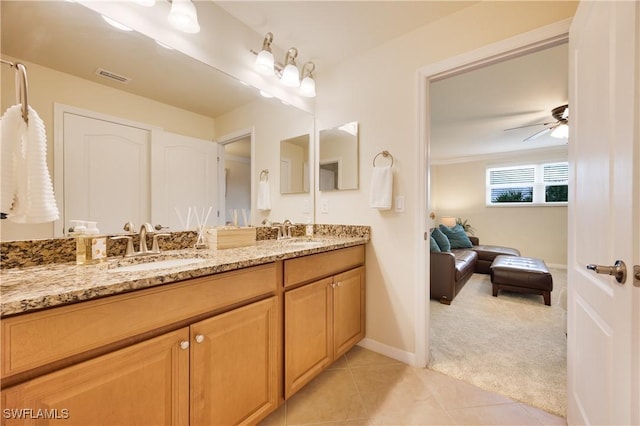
<point x="636" y="275"/>
<point x="618" y="270"/>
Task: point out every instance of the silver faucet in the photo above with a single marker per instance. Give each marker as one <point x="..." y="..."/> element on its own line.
<point x="145" y="229"/>
<point x="286" y="228"/>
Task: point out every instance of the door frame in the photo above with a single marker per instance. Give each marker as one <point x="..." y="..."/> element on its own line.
<point x="522" y="44"/>
<point x="59" y="110"/>
<point x="225" y="140"/>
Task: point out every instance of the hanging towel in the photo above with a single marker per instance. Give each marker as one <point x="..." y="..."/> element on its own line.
<point x="264" y="195"/>
<point x="27" y="191"/>
<point x="381" y="188"/>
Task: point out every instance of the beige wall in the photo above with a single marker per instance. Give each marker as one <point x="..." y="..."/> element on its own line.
<point x="540" y="231"/>
<point x="47" y="86"/>
<point x="379" y="90"/>
<point x="271" y="122"/>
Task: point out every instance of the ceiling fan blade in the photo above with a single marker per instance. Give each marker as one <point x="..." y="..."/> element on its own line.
<point x="540" y="133"/>
<point x="531" y="125"/>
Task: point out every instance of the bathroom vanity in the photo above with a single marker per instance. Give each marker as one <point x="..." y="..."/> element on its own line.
<point x="221" y="340"/>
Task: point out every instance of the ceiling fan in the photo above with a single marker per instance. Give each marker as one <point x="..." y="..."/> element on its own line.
<point x="558" y="128"/>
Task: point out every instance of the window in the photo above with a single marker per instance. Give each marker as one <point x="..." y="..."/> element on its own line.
<point x="528" y="185"/>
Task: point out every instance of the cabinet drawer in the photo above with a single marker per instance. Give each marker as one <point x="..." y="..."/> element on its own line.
<point x="36" y="339"/>
<point x="316" y="266"/>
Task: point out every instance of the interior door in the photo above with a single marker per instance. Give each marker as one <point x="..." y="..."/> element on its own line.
<point x="604" y="223"/>
<point x="184" y="180"/>
<point x="106" y="172"/>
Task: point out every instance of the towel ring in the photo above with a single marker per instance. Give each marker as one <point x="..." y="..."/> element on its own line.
<point x="264" y="173"/>
<point x="21" y="87"/>
<point x="385" y="154"/>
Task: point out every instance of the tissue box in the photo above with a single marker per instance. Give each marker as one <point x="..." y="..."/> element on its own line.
<point x="223" y="237"/>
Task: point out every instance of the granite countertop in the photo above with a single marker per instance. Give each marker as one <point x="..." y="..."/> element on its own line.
<point x="38" y="287"/>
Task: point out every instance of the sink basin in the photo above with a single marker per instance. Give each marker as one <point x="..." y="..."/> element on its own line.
<point x="304" y="243"/>
<point x="160" y="264"/>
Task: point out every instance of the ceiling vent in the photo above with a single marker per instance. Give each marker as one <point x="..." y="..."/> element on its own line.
<point x="113" y="76"/>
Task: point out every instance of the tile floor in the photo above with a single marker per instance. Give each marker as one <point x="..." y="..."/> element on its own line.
<point x="365" y="388"/>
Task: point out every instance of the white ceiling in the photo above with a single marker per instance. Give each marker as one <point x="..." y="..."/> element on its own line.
<point x="470" y="110"/>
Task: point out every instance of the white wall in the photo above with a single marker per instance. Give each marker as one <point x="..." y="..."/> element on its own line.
<point x="379" y="90"/>
<point x="541" y="231"/>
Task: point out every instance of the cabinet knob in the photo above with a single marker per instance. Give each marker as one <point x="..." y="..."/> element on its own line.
<point x="199" y="338"/>
<point x="184" y="344"/>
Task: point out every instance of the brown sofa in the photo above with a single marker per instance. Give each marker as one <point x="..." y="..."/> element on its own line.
<point x="450" y="271"/>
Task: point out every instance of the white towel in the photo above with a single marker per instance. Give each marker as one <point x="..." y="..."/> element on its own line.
<point x="381" y="188"/>
<point x="27" y="191"/>
<point x="264" y="195"/>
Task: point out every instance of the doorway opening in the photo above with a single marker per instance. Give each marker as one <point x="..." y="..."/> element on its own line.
<point x="235" y="174"/>
<point x="517" y="47"/>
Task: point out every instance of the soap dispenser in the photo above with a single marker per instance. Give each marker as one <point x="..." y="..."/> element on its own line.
<point x="90" y="246"/>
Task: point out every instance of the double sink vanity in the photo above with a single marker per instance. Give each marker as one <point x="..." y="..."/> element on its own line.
<point x="187" y="336"/>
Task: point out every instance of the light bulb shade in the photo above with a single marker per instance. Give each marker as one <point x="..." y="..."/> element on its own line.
<point x="308" y="87"/>
<point x="561" y="132"/>
<point x="183" y="16"/>
<point x="290" y="76"/>
<point x="264" y="62"/>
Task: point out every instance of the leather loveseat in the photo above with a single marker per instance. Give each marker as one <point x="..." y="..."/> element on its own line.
<point x="450" y="271"/>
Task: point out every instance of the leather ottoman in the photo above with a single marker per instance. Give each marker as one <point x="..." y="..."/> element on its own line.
<point x="523" y="274"/>
<point x="487" y="254"/>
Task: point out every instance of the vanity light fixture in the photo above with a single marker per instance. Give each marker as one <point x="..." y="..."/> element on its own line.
<point x="288" y="73"/>
<point x="308" y="83"/>
<point x="183" y="16"/>
<point x="146" y="3"/>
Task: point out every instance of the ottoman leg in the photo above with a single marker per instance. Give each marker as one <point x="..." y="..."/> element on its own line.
<point x="495" y="290"/>
<point x="547" y="297"/>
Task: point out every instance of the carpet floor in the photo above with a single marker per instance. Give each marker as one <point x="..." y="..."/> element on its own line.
<point x="511" y="344"/>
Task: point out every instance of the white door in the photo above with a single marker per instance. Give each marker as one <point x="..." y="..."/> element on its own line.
<point x="604" y="223"/>
<point x="106" y="172"/>
<point x="184" y="180"/>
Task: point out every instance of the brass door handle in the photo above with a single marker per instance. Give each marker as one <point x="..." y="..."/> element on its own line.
<point x="618" y="270"/>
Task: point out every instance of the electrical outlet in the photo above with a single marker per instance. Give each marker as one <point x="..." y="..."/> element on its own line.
<point x="306" y="207"/>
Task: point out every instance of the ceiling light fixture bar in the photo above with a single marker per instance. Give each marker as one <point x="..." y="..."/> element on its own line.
<point x="288" y="73"/>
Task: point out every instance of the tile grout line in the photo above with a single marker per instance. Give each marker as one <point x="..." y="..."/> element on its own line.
<point x="353" y="380"/>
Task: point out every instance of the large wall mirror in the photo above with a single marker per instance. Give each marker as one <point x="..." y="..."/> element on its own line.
<point x="338" y="160"/>
<point x="164" y="89"/>
<point x="294" y="165"/>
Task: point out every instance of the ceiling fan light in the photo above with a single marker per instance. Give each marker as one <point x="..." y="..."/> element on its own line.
<point x="264" y="62"/>
<point x="308" y="87"/>
<point x="183" y="16"/>
<point x="561" y="132"/>
<point x="290" y="76"/>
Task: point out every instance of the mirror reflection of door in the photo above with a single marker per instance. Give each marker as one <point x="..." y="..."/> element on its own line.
<point x="330" y="175"/>
<point x="236" y="160"/>
<point x="93" y="149"/>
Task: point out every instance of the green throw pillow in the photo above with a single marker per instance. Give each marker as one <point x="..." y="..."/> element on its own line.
<point x="433" y="245"/>
<point x="441" y="240"/>
<point x="457" y="237"/>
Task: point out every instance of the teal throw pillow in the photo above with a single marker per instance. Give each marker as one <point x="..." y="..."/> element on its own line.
<point x="433" y="245"/>
<point x="457" y="237"/>
<point x="441" y="240"/>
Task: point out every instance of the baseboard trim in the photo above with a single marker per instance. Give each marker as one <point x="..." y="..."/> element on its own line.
<point x="390" y="351"/>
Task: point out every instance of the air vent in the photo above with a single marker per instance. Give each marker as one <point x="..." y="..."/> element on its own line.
<point x="113" y="76"/>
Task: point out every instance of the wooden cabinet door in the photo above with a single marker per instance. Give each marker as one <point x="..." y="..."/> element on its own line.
<point x="348" y="310"/>
<point x="235" y="366"/>
<point x="144" y="384"/>
<point x="308" y="333"/>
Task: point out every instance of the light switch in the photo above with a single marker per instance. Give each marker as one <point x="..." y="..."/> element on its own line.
<point x="306" y="207"/>
<point x="399" y="204"/>
<point x="324" y="205"/>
